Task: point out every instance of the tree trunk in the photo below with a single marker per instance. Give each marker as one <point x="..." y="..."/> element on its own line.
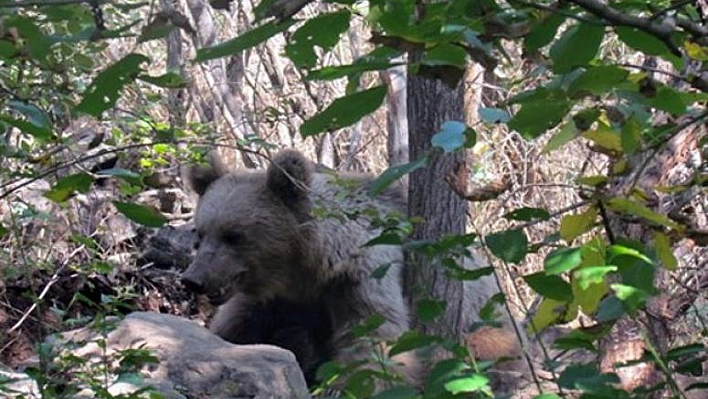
<point x="175" y="97"/>
<point x="222" y="77"/>
<point x="430" y="103"/>
<point x="397" y="118"/>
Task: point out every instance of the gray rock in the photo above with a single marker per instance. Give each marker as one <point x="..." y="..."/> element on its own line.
<point x="15" y="385"/>
<point x="194" y="362"/>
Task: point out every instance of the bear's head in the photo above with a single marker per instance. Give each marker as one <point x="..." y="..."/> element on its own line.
<point x="253" y="229"/>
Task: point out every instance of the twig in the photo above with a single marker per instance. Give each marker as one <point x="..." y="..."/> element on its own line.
<point x="675" y="6"/>
<point x="606" y="222"/>
<point x="76" y="161"/>
<point x="54" y="279"/>
<point x="654" y="70"/>
<point x="660" y="30"/>
<point x="43" y="3"/>
<point x="559" y="11"/>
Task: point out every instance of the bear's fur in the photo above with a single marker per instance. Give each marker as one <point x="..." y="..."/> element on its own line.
<point x="260" y="243"/>
<point x="285" y="277"/>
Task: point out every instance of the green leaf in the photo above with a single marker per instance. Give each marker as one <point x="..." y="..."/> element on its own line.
<point x="553" y="287"/>
<point x="509" y="245"/>
<point x="385" y="238"/>
<point x="577" y="46"/>
<point x="155" y="30"/>
<point x="598" y="80"/>
<point x="585" y="377"/>
<point x="126" y="174"/>
<point x="393" y="173"/>
<point x="170" y="80"/>
<point x="445" y="54"/>
<point x="141" y="214"/>
<point x="615" y="253"/>
<point x="592" y="181"/>
<point x="454" y="135"/>
<point x="536" y="117"/>
<point x="411" y="340"/>
<point x="361" y="384"/>
<point x="430" y="309"/>
<point x="562" y="260"/>
<point x="345" y="111"/>
<point x="647" y="43"/>
<point x="459" y="273"/>
<point x="32" y="113"/>
<point x="380" y="272"/>
<point x="470" y="383"/>
<point x="547" y="395"/>
<point x="367" y="326"/>
<point x="103" y="92"/>
<point x="624" y="205"/>
<point x="684" y="351"/>
<point x="493" y="115"/>
<point x="322" y="31"/>
<point x="527" y="214"/>
<point x="33" y="130"/>
<point x="543" y="31"/>
<point x="631" y="136"/>
<point x="576" y="339"/>
<point x="36" y="44"/>
<point x="566" y="134"/>
<point x="7" y="49"/>
<point x="587" y="276"/>
<point x="664" y="251"/>
<point x="573" y="226"/>
<point x="397" y="392"/>
<point x="669" y="100"/>
<point x="632" y="297"/>
<point x="67" y="186"/>
<point x="610" y="309"/>
<point x="245" y="41"/>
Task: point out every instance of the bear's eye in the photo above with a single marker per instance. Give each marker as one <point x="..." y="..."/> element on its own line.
<point x="232" y="237"/>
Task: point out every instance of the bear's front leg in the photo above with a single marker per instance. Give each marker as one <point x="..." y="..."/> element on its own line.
<point x="232" y="321"/>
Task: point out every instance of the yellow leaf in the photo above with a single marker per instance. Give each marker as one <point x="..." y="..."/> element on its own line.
<point x="620" y="167"/>
<point x="696" y="51"/>
<point x="573" y="226"/>
<point x="589" y="299"/>
<point x="593" y="181"/>
<point x="623" y="205"/>
<point x="604" y="137"/>
<point x="593" y="252"/>
<point x="549" y="312"/>
<point x="664" y="252"/>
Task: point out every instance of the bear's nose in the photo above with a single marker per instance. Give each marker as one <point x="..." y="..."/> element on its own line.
<point x="192" y="285"/>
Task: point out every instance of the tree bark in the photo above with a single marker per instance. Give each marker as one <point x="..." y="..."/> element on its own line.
<point x="175" y="97"/>
<point x="222" y="76"/>
<point x="430" y="103"/>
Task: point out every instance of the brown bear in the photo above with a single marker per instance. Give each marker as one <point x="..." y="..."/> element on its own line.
<point x="263" y="255"/>
<point x="284" y="276"/>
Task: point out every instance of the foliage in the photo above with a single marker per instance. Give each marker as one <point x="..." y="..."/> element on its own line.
<point x="580" y="86"/>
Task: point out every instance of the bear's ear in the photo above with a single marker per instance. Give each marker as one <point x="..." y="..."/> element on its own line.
<point x="200" y="177"/>
<point x="289" y="176"/>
